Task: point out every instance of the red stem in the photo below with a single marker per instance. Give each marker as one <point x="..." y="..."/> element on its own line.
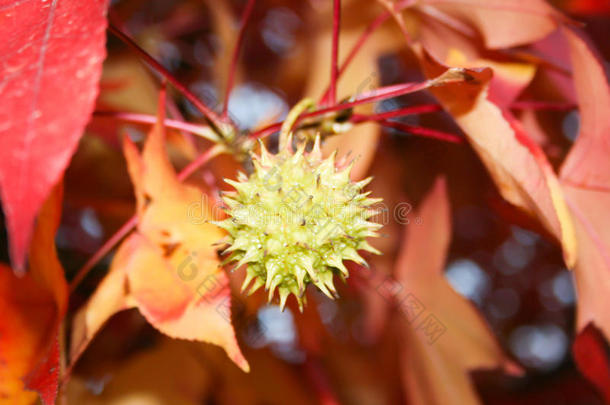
<point x="319" y="380"/>
<point x="174" y="112"/>
<point x="133" y="221"/>
<point x="383" y="17"/>
<point x="381" y="93"/>
<point x="200" y="161"/>
<point x="377" y="22"/>
<point x="151" y="119"/>
<point x="334" y="66"/>
<point x="422" y="131"/>
<point x="205" y="110"/>
<point x="418" y="109"/>
<point x="102" y="251"/>
<point x="245" y="17"/>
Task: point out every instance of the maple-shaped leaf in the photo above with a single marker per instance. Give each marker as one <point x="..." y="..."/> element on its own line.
<point x="32" y="308"/>
<point x="585" y="177"/>
<point x="516" y="163"/>
<point x="50" y="62"/>
<point x="590" y="351"/>
<point x="168" y="268"/>
<point x="446" y="338"/>
<point x="501" y="23"/>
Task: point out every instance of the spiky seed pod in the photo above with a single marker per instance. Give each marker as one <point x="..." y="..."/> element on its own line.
<point x="294" y="221"/>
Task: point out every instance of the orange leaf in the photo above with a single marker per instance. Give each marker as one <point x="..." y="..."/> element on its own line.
<point x="585" y="177"/>
<point x="518" y="166"/>
<point x="32" y="309"/>
<point x="502" y="23"/>
<point x="168" y="268"/>
<point x="446" y="336"/>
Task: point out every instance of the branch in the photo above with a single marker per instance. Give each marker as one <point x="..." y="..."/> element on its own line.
<point x="377" y="22"/>
<point x="381" y="93"/>
<point x="401" y="112"/>
<point x="383" y="17"/>
<point x="318" y="378"/>
<point x="422" y="131"/>
<point x="214" y="119"/>
<point x="200" y="130"/>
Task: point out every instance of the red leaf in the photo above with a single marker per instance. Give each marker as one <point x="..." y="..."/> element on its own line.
<point x="50" y="62"/>
<point x="45" y="379"/>
<point x="436" y="367"/>
<point x="518" y="166"/>
<point x="502" y="23"/>
<point x="591" y="354"/>
<point x="587" y="7"/>
<point x="585" y="177"/>
<point x="587" y="164"/>
<point x="33" y="307"/>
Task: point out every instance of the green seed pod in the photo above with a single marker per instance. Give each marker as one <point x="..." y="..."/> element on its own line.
<point x="294" y="221"/>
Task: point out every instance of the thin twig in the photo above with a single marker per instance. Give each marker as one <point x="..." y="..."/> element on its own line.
<point x="102" y="251"/>
<point x="200" y="161"/>
<point x="422" y="131"/>
<point x="203" y="131"/>
<point x="400" y="112"/>
<point x="383" y="17"/>
<point x="381" y="93"/>
<point x="200" y="105"/>
<point x="319" y="380"/>
<point x="245" y="17"/>
<point x="372" y="27"/>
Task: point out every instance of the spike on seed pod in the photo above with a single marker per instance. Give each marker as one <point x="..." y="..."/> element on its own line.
<point x="295" y="220"/>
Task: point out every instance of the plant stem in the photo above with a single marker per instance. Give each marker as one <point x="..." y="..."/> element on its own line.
<point x="418" y="109"/>
<point x="201" y="130"/>
<point x="422" y="131"/>
<point x="210" y="115"/>
<point x="245" y="17"/>
<point x="200" y="161"/>
<point x="319" y="380"/>
<point x="102" y="251"/>
<point x="381" y="93"/>
<point x="383" y="17"/>
<point x="372" y="27"/>
<point x="291" y="119"/>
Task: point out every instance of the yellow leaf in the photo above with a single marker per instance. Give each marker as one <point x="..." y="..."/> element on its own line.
<point x="168" y="268"/>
